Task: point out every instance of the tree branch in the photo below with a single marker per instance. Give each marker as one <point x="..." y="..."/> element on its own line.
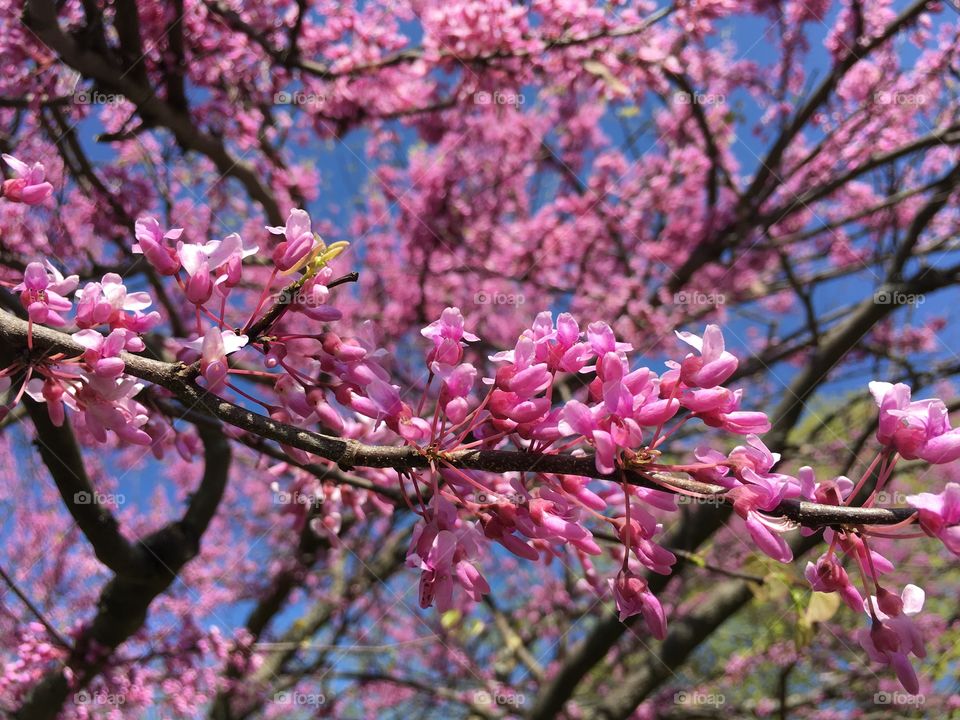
<point x="351" y="453"/>
<point x="41" y="17"/>
<point x="125" y="599"/>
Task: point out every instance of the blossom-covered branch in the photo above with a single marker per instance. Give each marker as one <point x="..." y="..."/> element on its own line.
<point x="350" y="453"/>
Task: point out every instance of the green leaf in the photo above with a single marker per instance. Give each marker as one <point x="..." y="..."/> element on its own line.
<point x="822" y="607"/>
<point x="450" y="618"/>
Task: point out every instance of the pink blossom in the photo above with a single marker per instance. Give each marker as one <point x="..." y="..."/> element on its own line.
<point x="643" y="526"/>
<point x="713" y="365"/>
<point x="729" y="417"/>
<point x="200" y="260"/>
<point x="109" y="303"/>
<point x="915" y="429"/>
<point x="448" y="335"/>
<point x="940" y="515"/>
<point x="828" y="576"/>
<point x="552" y="517"/>
<point x="108" y="404"/>
<point x="579" y="419"/>
<point x="151" y="243"/>
<point x="892" y="638"/>
<point x="43" y="293"/>
<point x="761" y="493"/>
<point x="560" y="348"/>
<point x="227" y="256"/>
<point x="298" y="242"/>
<point x="602" y="340"/>
<point x="456" y="383"/>
<point x="214" y="348"/>
<point x="314" y="296"/>
<point x="103" y="353"/>
<point x="442" y="548"/>
<point x="29" y="186"/>
<point x="633" y="597"/>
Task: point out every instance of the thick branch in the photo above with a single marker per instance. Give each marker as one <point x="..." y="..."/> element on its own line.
<point x="41" y="17"/>
<point x="59" y="450"/>
<point x="125" y="599"/>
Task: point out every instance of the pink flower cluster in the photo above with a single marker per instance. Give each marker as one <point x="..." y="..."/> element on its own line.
<point x="559" y="390"/>
<point x="623" y="420"/>
<point x="915" y="429"/>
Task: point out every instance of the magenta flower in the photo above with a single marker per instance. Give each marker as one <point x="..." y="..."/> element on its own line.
<point x="227" y="257"/>
<point x="761" y="493"/>
<point x="108" y="404"/>
<point x="552" y="517"/>
<point x="915" y="429"/>
<point x="713" y="365"/>
<point x="52" y="393"/>
<point x="891" y="638"/>
<point x="200" y="260"/>
<point x="43" y="293"/>
<point x="642" y="527"/>
<point x="602" y="340"/>
<point x="448" y="336"/>
<point x="828" y="576"/>
<point x="456" y="383"/>
<point x="510" y="405"/>
<point x="633" y="597"/>
<point x="730" y="418"/>
<point x="29" y="186"/>
<point x="579" y="419"/>
<point x="151" y="243"/>
<point x="313" y="298"/>
<point x="103" y="353"/>
<point x="381" y="400"/>
<point x="195" y="261"/>
<point x="324" y="411"/>
<point x="560" y="348"/>
<point x="214" y="347"/>
<point x="436" y="580"/>
<point x="442" y="548"/>
<point x="107" y="302"/>
<point x="940" y="515"/>
<point x="297" y="244"/>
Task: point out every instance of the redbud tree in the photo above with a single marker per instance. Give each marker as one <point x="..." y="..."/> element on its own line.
<point x="479" y="359"/>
